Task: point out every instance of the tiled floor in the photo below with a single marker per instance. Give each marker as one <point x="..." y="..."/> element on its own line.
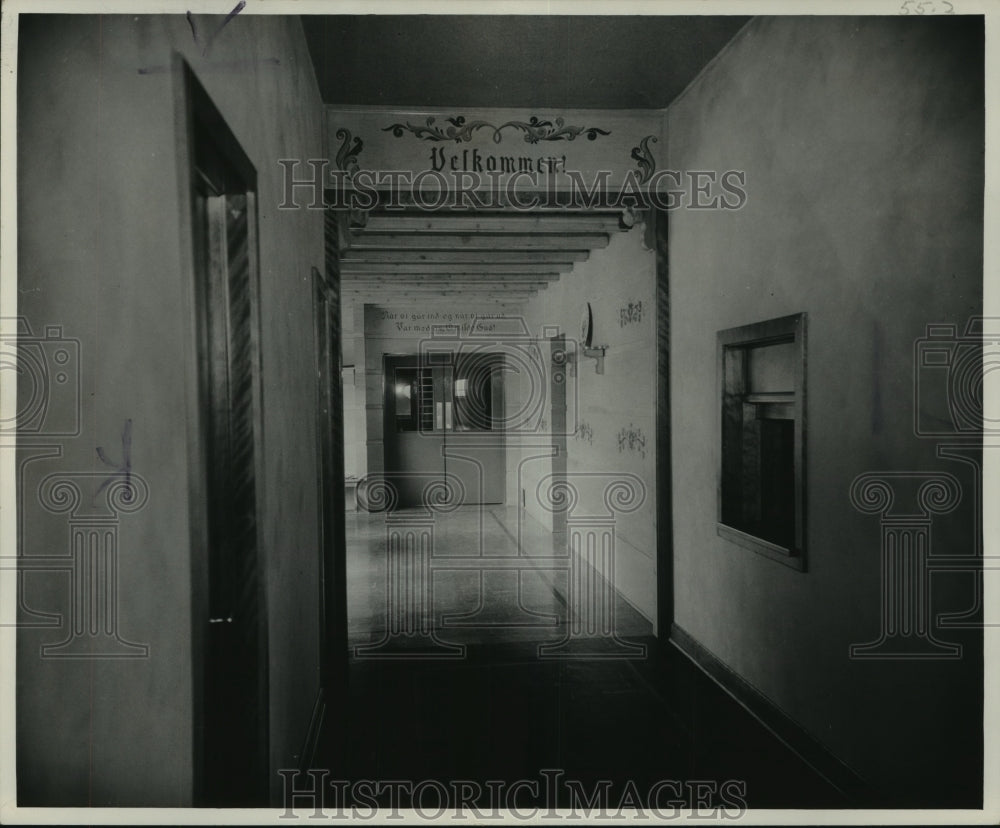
<point x="480" y="701"/>
<point x="471" y="603"/>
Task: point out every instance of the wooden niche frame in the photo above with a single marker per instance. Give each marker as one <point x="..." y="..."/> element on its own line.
<point x="762" y="440"/>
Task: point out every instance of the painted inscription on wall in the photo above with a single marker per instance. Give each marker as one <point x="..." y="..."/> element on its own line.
<point x="425" y="322"/>
<point x="585" y="431"/>
<point x="486" y="162"/>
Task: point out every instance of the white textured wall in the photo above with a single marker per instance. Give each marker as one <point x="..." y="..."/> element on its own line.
<point x="100" y="253"/>
<point x="611" y="416"/>
<point x="862" y="142"/>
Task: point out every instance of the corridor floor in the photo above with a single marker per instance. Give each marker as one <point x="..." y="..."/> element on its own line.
<point x="484" y="699"/>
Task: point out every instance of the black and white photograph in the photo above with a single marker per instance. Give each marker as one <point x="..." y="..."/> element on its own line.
<point x="525" y="412"/>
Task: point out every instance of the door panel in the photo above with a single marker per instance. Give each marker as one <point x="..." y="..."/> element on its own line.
<point x="479" y="466"/>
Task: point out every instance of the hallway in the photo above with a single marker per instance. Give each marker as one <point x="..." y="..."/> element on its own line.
<point x="652" y="345"/>
<point x="502" y="712"/>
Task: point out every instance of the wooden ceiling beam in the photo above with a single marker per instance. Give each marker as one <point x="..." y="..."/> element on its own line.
<point x="435" y="296"/>
<point x="410" y="208"/>
<point x="445" y="288"/>
<point x="437" y="268"/>
<point x="472" y="222"/>
<point x="466" y="256"/>
<point x="420" y="279"/>
<point x="480" y="241"/>
<point x="458" y="287"/>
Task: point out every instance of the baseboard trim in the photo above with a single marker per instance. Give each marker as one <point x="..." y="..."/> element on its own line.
<point x="308" y="755"/>
<point x="787" y="730"/>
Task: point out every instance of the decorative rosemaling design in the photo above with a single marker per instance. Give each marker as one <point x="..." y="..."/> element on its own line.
<point x="630" y="314"/>
<point x="644" y="158"/>
<point x="347" y="156"/>
<point x="585" y="432"/>
<point x="633" y="440"/>
<point x="461" y="130"/>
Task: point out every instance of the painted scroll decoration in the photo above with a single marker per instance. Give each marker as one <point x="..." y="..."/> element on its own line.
<point x="461" y="130"/>
<point x="347" y="156"/>
<point x="643" y="156"/>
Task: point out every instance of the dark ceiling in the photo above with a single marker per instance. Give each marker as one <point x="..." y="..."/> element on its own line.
<point x="565" y="62"/>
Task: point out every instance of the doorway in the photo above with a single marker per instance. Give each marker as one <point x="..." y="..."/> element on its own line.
<point x="422" y="290"/>
<point x="230" y="621"/>
<point x="444" y="418"/>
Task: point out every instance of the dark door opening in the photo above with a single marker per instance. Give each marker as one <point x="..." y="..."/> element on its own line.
<point x="230" y="626"/>
<point x="333" y="608"/>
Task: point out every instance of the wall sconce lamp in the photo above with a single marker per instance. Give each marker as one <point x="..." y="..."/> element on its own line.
<point x="597" y="354"/>
<point x="594" y="352"/>
<point x="568" y="358"/>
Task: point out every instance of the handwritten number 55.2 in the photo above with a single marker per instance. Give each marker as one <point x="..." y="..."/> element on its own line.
<point x="926" y="7"/>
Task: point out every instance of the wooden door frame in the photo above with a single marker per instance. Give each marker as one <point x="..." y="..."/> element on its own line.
<point x="664" y="474"/>
<point x="330" y="487"/>
<point x="194" y="111"/>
